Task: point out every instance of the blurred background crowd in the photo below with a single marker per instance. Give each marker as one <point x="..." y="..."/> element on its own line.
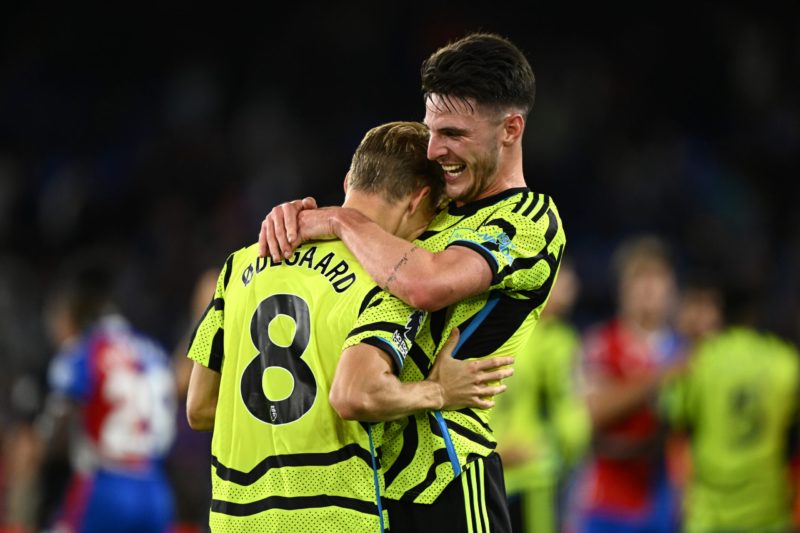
<point x="165" y="134"/>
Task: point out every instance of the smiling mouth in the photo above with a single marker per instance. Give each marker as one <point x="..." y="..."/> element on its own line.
<point x="453" y="169"/>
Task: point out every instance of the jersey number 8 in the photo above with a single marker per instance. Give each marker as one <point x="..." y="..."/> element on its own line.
<point x="304" y="390"/>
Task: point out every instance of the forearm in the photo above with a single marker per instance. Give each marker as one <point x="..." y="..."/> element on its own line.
<point x="385" y="399"/>
<point x="201" y="398"/>
<point x="422" y="279"/>
<point x="201" y="418"/>
<point x="389" y="260"/>
<point x="614" y="401"/>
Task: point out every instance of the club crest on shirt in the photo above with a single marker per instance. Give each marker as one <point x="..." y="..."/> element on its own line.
<point x="503" y="242"/>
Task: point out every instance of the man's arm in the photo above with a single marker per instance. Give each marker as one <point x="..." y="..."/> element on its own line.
<point x="611" y="400"/>
<point x="424" y="280"/>
<point x="201" y="399"/>
<point x="365" y="388"/>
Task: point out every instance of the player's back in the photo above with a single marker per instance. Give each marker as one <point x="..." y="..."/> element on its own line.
<point x="739" y="401"/>
<point x="125" y="389"/>
<point x="283" y="460"/>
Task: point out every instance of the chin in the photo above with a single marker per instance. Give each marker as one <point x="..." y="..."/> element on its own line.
<point x="457" y="192"/>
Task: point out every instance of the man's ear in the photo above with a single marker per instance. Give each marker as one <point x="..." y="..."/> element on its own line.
<point x="513" y="126"/>
<point x="417" y="199"/>
<point x="345" y="184"/>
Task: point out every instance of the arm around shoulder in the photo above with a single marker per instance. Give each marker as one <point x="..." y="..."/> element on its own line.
<point x="422" y="279"/>
<point x="365" y="388"/>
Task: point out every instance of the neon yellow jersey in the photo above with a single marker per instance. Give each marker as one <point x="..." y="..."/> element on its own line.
<point x="541" y="411"/>
<point x="738" y="400"/>
<point x="520" y="235"/>
<point x="282" y="458"/>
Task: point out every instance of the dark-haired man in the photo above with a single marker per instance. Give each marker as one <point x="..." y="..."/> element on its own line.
<point x="485" y="265"/>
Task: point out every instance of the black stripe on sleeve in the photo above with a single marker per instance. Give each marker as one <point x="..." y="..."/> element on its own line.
<point x="483" y="252"/>
<point x="228" y="270"/>
<point x="524" y="197"/>
<point x="532" y="205"/>
<point x="390" y="327"/>
<point x="368" y="299"/>
<point x="541" y="211"/>
<point x="523" y="263"/>
<point x="385" y="346"/>
<point x="217" y="304"/>
<point x="217" y="351"/>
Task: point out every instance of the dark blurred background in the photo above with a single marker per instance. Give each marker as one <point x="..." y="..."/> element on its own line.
<point x="167" y="132"/>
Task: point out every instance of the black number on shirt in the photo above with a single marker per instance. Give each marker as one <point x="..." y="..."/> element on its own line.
<point x="747" y="422"/>
<point x="270" y="354"/>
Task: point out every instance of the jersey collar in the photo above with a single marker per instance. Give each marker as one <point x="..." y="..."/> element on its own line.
<point x="473" y="207"/>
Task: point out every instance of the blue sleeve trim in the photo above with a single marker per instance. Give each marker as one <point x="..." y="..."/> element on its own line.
<point x="389" y="348"/>
<point x="484" y="252"/>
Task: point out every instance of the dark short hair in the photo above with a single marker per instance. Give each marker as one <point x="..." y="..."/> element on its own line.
<point x="392" y="160"/>
<point x="482" y="66"/>
<point x="85" y="286"/>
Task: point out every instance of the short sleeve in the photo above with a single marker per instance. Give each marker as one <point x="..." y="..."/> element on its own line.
<point x="388" y="324"/>
<point x="523" y="250"/>
<point x="206" y="345"/>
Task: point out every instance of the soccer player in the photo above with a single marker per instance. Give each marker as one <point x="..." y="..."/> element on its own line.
<point x="485" y="265"/>
<point x="541" y="423"/>
<point x="267" y="348"/>
<point x="626" y="484"/>
<point x="738" y="402"/>
<point x="118" y="386"/>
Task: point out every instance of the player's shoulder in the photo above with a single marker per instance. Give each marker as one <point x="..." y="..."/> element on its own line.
<point x="530" y="214"/>
<point x="525" y="203"/>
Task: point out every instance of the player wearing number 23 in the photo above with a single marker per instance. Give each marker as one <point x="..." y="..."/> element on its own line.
<point x="119" y="384"/>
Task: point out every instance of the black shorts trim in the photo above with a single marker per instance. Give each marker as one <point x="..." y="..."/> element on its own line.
<point x="475" y="501"/>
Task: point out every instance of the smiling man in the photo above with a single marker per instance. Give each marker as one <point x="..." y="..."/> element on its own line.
<point x="486" y="265"/>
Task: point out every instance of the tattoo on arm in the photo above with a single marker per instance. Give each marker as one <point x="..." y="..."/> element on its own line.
<point x="403" y="260"/>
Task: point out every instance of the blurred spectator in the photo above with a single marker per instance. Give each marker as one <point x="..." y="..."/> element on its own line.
<point x="113" y="392"/>
<point x="540" y="422"/>
<point x="699" y="311"/>
<point x="625" y="485"/>
<point x="738" y="402"/>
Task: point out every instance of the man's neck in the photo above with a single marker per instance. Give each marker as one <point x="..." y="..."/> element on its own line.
<point x="375" y="208"/>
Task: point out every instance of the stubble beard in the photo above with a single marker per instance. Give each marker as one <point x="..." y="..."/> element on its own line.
<point x="484" y="173"/>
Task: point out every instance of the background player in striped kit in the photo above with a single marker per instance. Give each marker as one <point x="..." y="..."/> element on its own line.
<point x="486" y="264"/>
<point x="266" y="351"/>
<point x="116" y="387"/>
